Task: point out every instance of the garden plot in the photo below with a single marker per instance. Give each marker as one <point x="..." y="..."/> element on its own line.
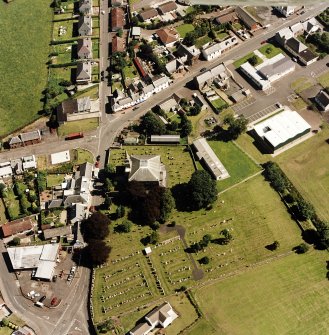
<point x="173" y="264"/>
<point x="127" y="285"/>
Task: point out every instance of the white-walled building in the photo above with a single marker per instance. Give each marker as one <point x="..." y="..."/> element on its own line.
<point x="215" y="50"/>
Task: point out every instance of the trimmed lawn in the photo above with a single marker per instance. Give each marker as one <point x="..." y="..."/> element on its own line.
<point x="95" y="22"/>
<point x="81" y="156"/>
<point x="218" y="103"/>
<point x="236" y="162"/>
<point x="245" y="58"/>
<point x="95" y="44"/>
<point x="12" y="204"/>
<point x="237" y="26"/>
<point x="202" y="327"/>
<point x="64" y="30"/>
<point x="24" y="53"/>
<point x="54" y="179"/>
<point x="184" y="29"/>
<point x="179" y="169"/>
<point x="130" y="72"/>
<point x="201" y="41"/>
<point x="324" y="79"/>
<point x="301" y="84"/>
<point x="269" y="50"/>
<point x="221" y="35"/>
<point x="63" y="73"/>
<point x="307" y="166"/>
<point x="5" y="331"/>
<point x="299" y="104"/>
<point x="91" y="92"/>
<point x="287" y="296"/>
<point x="76" y="126"/>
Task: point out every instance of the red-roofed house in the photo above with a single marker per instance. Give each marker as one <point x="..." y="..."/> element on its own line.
<point x="17" y="227"/>
<point x="117" y="19"/>
<point x="168" y="37"/>
<point x="118" y="44"/>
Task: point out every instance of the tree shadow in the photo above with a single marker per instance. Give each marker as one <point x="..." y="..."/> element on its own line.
<point x="180" y="192"/>
<point x="270" y="247"/>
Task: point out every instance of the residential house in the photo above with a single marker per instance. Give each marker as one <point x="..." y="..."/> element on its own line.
<point x="282" y="35"/>
<point x="297" y="29"/>
<point x="136" y="33"/>
<point x="117" y="19"/>
<point x="171" y="104"/>
<point x="215" y="50"/>
<point x="167" y="36"/>
<point x="160" y="83"/>
<point x="85" y="26"/>
<point x="146" y="169"/>
<point x="148" y="14"/>
<point x="118" y="44"/>
<point x="24" y="139"/>
<point x="300" y="51"/>
<point x="167" y="7"/>
<point x="85" y="48"/>
<point x="6" y="170"/>
<point x="18" y="227"/>
<point x="140" y="68"/>
<point x="188" y="55"/>
<point x="29" y="162"/>
<point x="51" y="233"/>
<point x="248" y="20"/>
<point x="174" y="65"/>
<point x="85" y="7"/>
<point x="311" y="26"/>
<point x="83" y="73"/>
<point x="205" y="153"/>
<point x="219" y="72"/>
<point x="285" y="10"/>
<point x="227" y="18"/>
<point x="322" y="99"/>
<point x="77" y="109"/>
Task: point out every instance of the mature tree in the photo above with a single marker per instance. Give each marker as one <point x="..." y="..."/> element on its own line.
<point x="124" y="227"/>
<point x="98" y="251"/>
<point x="253" y="60"/>
<point x="305" y="209"/>
<point x="120" y="32"/>
<point x="274" y="174"/>
<point x="301" y="248"/>
<point x="120" y="212"/>
<point x="227" y="236"/>
<point x="152" y="125"/>
<point x="2" y="190"/>
<point x="96" y="227"/>
<point x="189" y="39"/>
<point x="108" y="186"/>
<point x="186" y="126"/>
<point x="236" y="126"/>
<point x="16" y="241"/>
<point x="204" y="260"/>
<point x="118" y="61"/>
<point x="154" y="237"/>
<point x="202" y="189"/>
<point x="167" y="204"/>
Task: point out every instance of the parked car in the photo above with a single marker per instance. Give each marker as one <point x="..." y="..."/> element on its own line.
<point x="53" y="301"/>
<point x="39" y="304"/>
<point x="42" y="298"/>
<point x="203" y="69"/>
<point x="294" y="59"/>
<point x="33" y="273"/>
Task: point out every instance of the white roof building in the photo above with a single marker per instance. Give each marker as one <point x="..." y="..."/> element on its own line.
<point x="253" y="74"/>
<point x="5" y="170"/>
<point x="60" y="157"/>
<point x="41" y="257"/>
<point x="281" y="129"/>
<point x="29" y="162"/>
<point x="215" y="50"/>
<point x="205" y="153"/>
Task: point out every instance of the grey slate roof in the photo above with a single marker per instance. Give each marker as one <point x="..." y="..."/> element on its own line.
<point x="55" y="203"/>
<point x="83" y="71"/>
<point x="15" y="140"/>
<point x="84" y="47"/>
<point x="85" y="25"/>
<point x="74" y="199"/>
<point x="86" y="170"/>
<point x="281" y="66"/>
<point x="57" y="232"/>
<point x="31" y="135"/>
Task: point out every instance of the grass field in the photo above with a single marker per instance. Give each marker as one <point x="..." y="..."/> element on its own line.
<point x="76" y="126"/>
<point x="54" y="179"/>
<point x="25" y="33"/>
<point x="301" y="84"/>
<point x="130" y="72"/>
<point x="5" y="331"/>
<point x="201" y="41"/>
<point x="202" y="327"/>
<point x="184" y="29"/>
<point x="324" y="79"/>
<point x="236" y="162"/>
<point x="307" y="166"/>
<point x="269" y="50"/>
<point x="64" y="30"/>
<point x="179" y="169"/>
<point x="218" y="103"/>
<point x="288" y="296"/>
<point x="245" y="58"/>
<point x="81" y="156"/>
<point x="221" y="35"/>
<point x="255" y="216"/>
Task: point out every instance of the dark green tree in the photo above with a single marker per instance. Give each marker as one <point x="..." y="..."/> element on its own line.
<point x="202" y="189"/>
<point x="98" y="251"/>
<point x="204" y="260"/>
<point x="152" y="125"/>
<point x="167" y="204"/>
<point x="227" y="236"/>
<point x="253" y="60"/>
<point x="186" y="126"/>
<point x="96" y="227"/>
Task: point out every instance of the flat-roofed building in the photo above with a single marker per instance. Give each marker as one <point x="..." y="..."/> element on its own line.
<point x="5" y="170"/>
<point x="215" y="50"/>
<point x="277" y="69"/>
<point x="173" y="139"/>
<point x="60" y="157"/>
<point x="205" y="153"/>
<point x="280" y="130"/>
<point x="256" y="78"/>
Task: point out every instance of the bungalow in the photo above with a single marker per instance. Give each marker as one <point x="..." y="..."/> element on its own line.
<point x="148" y="14"/>
<point x="83" y="73"/>
<point x="118" y="44"/>
<point x="85" y="7"/>
<point x="29" y="162"/>
<point x="17" y="227"/>
<point x="167" y="7"/>
<point x="171" y="104"/>
<point x="248" y="20"/>
<point x="85" y="48"/>
<point x="85" y="26"/>
<point x="301" y="51"/>
<point x="167" y="36"/>
<point x="6" y="170"/>
<point x="117" y="18"/>
<point x="322" y="99"/>
<point x="215" y="50"/>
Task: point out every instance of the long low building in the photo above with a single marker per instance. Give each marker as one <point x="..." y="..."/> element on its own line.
<point x="165" y="139"/>
<point x="280" y="130"/>
<point x="256" y="78"/>
<point x="40" y="257"/>
<point x="207" y="155"/>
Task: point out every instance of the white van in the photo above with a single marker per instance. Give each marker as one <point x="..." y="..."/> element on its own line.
<point x="39" y="304"/>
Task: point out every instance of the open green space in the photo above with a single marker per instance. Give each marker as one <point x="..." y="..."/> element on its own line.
<point x="54" y="179"/>
<point x="201" y="41"/>
<point x="12" y="204"/>
<point x="299" y="104"/>
<point x="245" y="58"/>
<point x="287" y="296"/>
<point x="81" y="156"/>
<point x="62" y="73"/>
<point x="24" y="52"/>
<point x="177" y="160"/>
<point x="307" y="166"/>
<point x="301" y="84"/>
<point x="324" y="80"/>
<point x="236" y="162"/>
<point x="77" y="126"/>
<point x="269" y="50"/>
<point x="5" y="331"/>
<point x="185" y="28"/>
<point x="218" y="103"/>
<point x="255" y="216"/>
<point x="64" y="52"/>
<point x="202" y="327"/>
